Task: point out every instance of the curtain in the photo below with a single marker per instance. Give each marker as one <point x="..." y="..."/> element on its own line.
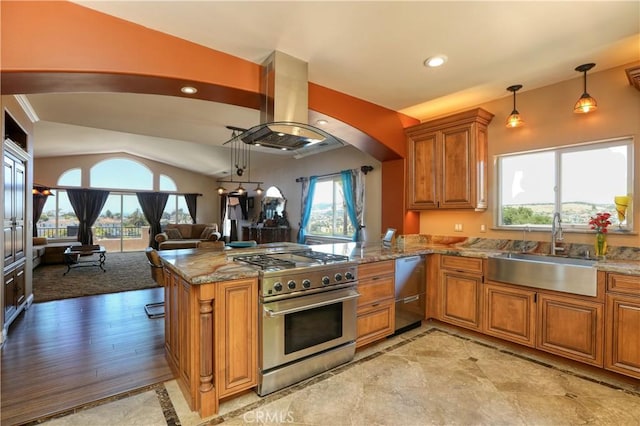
<point x="349" y="190"/>
<point x="223" y="214"/>
<point x="39" y="201"/>
<point x="153" y="204"/>
<point x="87" y="204"/>
<point x="308" y="189"/>
<point x="192" y="205"/>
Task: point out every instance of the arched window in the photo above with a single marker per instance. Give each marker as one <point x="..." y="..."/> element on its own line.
<point x="167" y="184"/>
<point x="72" y="177"/>
<point x="121" y="173"/>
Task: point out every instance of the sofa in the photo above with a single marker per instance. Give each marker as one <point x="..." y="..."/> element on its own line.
<point x="50" y="252"/>
<point x="183" y="235"/>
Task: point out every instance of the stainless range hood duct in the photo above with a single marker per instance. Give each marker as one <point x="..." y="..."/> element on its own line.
<point x="284" y="111"/>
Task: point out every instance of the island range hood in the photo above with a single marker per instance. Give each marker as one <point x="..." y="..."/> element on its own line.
<point x="284" y="110"/>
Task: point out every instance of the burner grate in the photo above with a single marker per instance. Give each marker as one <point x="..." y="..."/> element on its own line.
<point x="324" y="257"/>
<point x="265" y="262"/>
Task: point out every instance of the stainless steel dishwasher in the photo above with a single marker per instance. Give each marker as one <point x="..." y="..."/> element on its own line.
<point x="410" y="288"/>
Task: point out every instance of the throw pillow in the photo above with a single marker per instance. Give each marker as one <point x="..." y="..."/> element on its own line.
<point x="173" y="234"/>
<point x="206" y="232"/>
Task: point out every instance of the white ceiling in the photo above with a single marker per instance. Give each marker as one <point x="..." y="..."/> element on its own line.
<point x="370" y="50"/>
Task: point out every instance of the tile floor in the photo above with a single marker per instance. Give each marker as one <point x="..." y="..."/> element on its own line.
<point x="429" y="375"/>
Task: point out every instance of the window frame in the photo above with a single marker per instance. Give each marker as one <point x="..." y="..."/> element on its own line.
<point x="558" y="151"/>
<point x="337" y="178"/>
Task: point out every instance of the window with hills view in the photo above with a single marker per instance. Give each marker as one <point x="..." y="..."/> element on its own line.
<point x="577" y="181"/>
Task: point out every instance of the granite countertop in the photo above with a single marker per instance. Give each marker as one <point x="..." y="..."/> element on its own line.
<point x="203" y="266"/>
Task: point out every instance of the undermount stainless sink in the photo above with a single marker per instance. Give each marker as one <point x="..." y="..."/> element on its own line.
<point x="569" y="275"/>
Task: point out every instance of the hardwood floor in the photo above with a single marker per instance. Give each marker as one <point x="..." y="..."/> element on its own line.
<point x="66" y="353"/>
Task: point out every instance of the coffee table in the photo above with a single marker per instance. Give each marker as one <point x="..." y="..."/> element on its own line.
<point x="73" y="255"/>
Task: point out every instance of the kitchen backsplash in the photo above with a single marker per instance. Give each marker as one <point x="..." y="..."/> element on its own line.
<point x="543" y="247"/>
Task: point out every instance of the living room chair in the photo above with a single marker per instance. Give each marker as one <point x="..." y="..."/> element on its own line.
<point x="155" y="310"/>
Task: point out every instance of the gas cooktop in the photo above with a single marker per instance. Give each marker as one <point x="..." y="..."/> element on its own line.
<point x="289" y="260"/>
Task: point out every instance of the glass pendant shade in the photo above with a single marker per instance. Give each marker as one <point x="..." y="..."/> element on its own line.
<point x="514" y="120"/>
<point x="259" y="190"/>
<point x="240" y="189"/>
<point x="221" y="190"/>
<point x="586" y="103"/>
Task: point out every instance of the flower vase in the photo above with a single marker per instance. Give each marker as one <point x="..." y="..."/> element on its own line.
<point x="601" y="244"/>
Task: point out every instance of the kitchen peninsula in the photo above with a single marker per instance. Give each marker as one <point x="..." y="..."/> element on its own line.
<point x="212" y="308"/>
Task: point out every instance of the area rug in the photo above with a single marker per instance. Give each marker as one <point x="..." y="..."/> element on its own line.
<point x="124" y="272"/>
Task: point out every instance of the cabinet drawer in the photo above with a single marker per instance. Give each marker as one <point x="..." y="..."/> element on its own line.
<point x="375" y="289"/>
<point x="375" y="323"/>
<point x="370" y="270"/>
<point x="459" y="263"/>
<point x="619" y="283"/>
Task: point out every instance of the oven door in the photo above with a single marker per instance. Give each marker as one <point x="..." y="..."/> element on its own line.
<point x="302" y="326"/>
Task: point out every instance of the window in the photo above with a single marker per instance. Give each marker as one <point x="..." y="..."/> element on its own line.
<point x="121" y="225"/>
<point x="176" y="211"/>
<point x="577" y="181"/>
<point x="109" y="174"/>
<point x="329" y="216"/>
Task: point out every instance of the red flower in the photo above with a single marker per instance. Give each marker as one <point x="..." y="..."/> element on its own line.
<point x="600" y="222"/>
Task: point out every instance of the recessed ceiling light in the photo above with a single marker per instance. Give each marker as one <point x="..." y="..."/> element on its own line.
<point x="322" y="122"/>
<point x="435" y="61"/>
<point x="189" y="90"/>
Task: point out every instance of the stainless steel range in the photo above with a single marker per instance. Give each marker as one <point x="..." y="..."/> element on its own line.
<point x="307" y="316"/>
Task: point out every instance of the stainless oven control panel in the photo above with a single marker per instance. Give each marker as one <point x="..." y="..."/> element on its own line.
<point x="312" y="278"/>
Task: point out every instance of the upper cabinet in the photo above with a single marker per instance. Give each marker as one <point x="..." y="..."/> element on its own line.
<point x="447" y="162"/>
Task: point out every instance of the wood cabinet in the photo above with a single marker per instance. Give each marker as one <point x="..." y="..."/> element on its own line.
<point x="570" y="326"/>
<point x="14" y="237"/>
<point x="447" y="162"/>
<point x="460" y="291"/>
<point x="237" y="330"/>
<point x="266" y="234"/>
<point x="211" y="338"/>
<point x="510" y="314"/>
<point x="14" y="289"/>
<point x="622" y="334"/>
<point x="376" y="305"/>
<point x="14" y="207"/>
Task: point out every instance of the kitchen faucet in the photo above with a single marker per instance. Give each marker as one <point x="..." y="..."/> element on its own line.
<point x="524" y="237"/>
<point x="556" y="233"/>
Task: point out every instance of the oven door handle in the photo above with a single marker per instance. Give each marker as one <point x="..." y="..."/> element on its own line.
<point x="271" y="313"/>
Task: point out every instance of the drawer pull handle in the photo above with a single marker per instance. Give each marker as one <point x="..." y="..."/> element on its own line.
<point x="375" y="305"/>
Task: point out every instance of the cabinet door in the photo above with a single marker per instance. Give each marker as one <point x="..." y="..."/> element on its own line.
<point x="571" y="328"/>
<point x="623" y="335"/>
<point x="461" y="299"/>
<point x="236" y="336"/>
<point x="375" y="322"/>
<point x="510" y="314"/>
<point x="457" y="170"/>
<point x="422" y="172"/>
<point x="9" y="291"/>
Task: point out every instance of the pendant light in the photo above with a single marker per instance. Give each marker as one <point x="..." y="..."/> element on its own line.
<point x="586" y="103"/>
<point x="514" y="120"/>
<point x="259" y="189"/>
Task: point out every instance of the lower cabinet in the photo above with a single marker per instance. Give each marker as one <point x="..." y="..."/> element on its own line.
<point x="623" y="325"/>
<point x="509" y="313"/>
<point x="237" y="328"/>
<point x="211" y="338"/>
<point x="565" y="326"/>
<point x="14" y="290"/>
<point x="571" y="327"/>
<point x="376" y="305"/>
<point x="461" y="291"/>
